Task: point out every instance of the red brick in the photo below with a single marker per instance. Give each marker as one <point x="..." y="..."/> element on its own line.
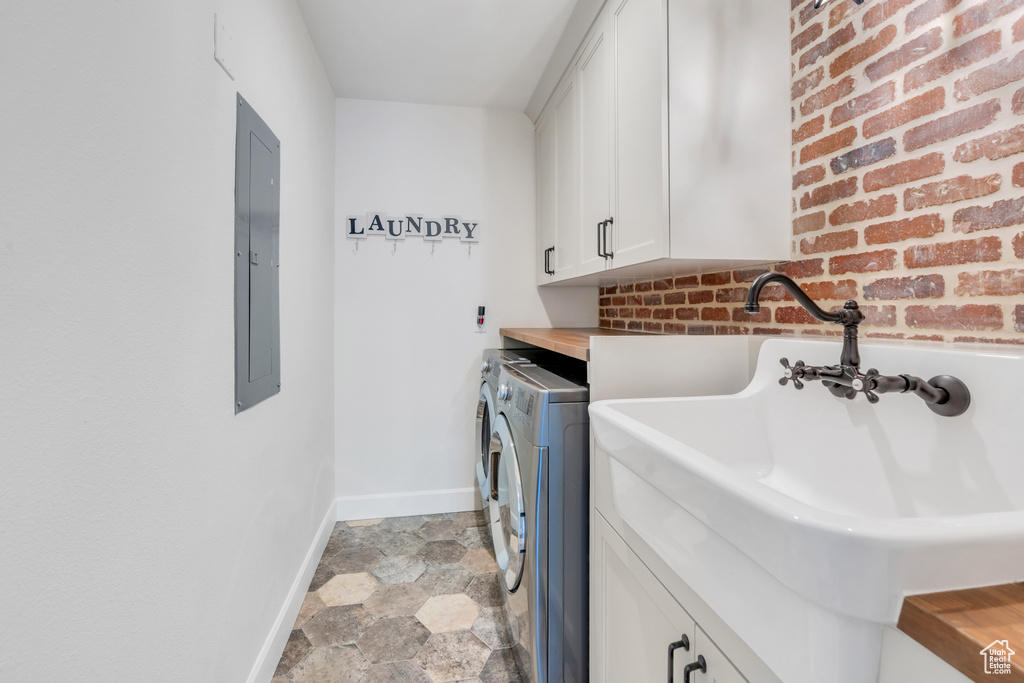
<point x="687" y="313"/>
<point x="634" y="325"/>
<point x="604" y="301"/>
<point x="864" y="156"/>
<point x="605" y="323"/>
<point x="610" y="313"/>
<point x="1018" y="175"/>
<point x="880" y="316"/>
<point x="662" y="285"/>
<point x="952" y="125"/>
<point x="687" y="281"/>
<point x="1000" y="215"/>
<point x="808" y="13"/>
<point x="904" y="172"/>
<point x="839" y="12"/>
<point x="829" y="290"/>
<point x="730" y="295"/>
<point x="828" y="144"/>
<point x="762" y="316"/>
<point x="634" y="300"/>
<point x="919" y="227"/>
<point x="1018" y="318"/>
<point x="920" y="287"/>
<point x="953" y="253"/>
<point x="673" y="298"/>
<point x="923" y="105"/>
<point x="833" y="241"/>
<point x="809" y="129"/>
<point x="808" y="176"/>
<point x="864" y="210"/>
<point x="826" y="194"/>
<point x="990" y="77"/>
<point x="701" y="297"/>
<point x="809" y="223"/>
<point x="774" y="292"/>
<point x="828" y="46"/>
<point x="905" y="55"/>
<point x="799" y="269"/>
<point x="608" y="290"/>
<point x="714" y="313"/>
<point x="950" y="190"/>
<point x="771" y="330"/>
<point x="652" y="300"/>
<point x="643" y="287"/>
<point x="995" y="146"/>
<point x="1017" y="103"/>
<point x="1018" y="30"/>
<point x="618" y="324"/>
<point x="794" y="315"/>
<point x="829" y="95"/>
<point x="956" y="58"/>
<point x="1008" y="282"/>
<point x="882" y="11"/>
<point x="625" y="289"/>
<point x="749" y="274"/>
<point x="625" y="312"/>
<point x="870" y="262"/>
<point x="980" y="15"/>
<point x="861" y="52"/>
<point x="928" y="12"/>
<point x="805" y="38"/>
<point x="851" y="109"/>
<point x="969" y="317"/>
<point x="652" y="327"/>
<point x="700" y="329"/>
<point x="985" y="340"/>
<point x="716" y="279"/>
<point x="1018" y="245"/>
<point x="663" y="314"/>
<point x="808" y="82"/>
<point x="618" y="301"/>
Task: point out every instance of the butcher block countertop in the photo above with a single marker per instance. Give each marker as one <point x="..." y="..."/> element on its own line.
<point x="958" y="625"/>
<point x="569" y="341"/>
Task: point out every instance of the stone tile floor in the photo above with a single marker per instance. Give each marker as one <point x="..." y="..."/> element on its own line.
<point x="404" y="599"/>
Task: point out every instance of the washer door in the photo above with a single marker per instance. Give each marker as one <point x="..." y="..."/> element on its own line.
<point x="484" y="416"/>
<point x="507" y="506"/>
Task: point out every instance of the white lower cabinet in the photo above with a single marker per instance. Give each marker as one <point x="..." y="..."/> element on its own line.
<point x="636" y="620"/>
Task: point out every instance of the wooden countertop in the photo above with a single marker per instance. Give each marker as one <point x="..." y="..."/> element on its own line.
<point x="958" y="625"/>
<point x="569" y="341"/>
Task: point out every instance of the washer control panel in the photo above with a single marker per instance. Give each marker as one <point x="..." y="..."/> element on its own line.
<point x="524" y="405"/>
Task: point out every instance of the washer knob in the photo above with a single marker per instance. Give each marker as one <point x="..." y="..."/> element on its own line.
<point x="485" y="368"/>
<point x="503" y="392"/>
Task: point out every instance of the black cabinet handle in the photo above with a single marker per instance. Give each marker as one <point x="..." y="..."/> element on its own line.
<point x="607" y="254"/>
<point x="699" y="665"/>
<point x="600" y="235"/>
<point x="684" y="643"/>
<point x="547" y="261"/>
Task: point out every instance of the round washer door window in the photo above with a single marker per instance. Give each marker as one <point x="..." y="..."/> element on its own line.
<point x="507" y="505"/>
<point x="484" y="414"/>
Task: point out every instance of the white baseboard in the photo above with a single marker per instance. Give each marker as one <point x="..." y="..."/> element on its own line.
<point x="270" y="655"/>
<point x="409" y="503"/>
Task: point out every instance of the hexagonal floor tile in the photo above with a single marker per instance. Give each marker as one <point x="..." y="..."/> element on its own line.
<point x="401" y="543"/>
<point x="442" y="552"/>
<point x="399" y="600"/>
<point x="448" y="613"/>
<point x="442" y="579"/>
<point x="353" y="523"/>
<point x="453" y="655"/>
<point x="474" y="537"/>
<point x="486" y="590"/>
<point x="295" y="650"/>
<point x="400" y="569"/>
<point x="392" y="640"/>
<point x="403" y="523"/>
<point x="337" y="663"/>
<point x="480" y="561"/>
<point x="501" y="668"/>
<point x="342" y="625"/>
<point x="311" y="605"/>
<point x="438" y="530"/>
<point x="355" y="560"/>
<point x="322" y="575"/>
<point x="471" y="518"/>
<point x="396" y="672"/>
<point x="348" y="589"/>
<point x="491" y="628"/>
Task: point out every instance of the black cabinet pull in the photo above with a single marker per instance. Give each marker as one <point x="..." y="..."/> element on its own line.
<point x="684" y="643"/>
<point x="600" y="234"/>
<point x="547" y="261"/>
<point x="699" y="665"/>
<point x="607" y="254"/>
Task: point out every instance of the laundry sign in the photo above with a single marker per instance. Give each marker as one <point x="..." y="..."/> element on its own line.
<point x="410" y="225"/>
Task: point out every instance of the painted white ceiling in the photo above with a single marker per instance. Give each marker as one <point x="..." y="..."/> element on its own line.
<point x="472" y="53"/>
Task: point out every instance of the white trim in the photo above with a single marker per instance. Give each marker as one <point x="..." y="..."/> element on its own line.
<point x="273" y="647"/>
<point x="408" y="503"/>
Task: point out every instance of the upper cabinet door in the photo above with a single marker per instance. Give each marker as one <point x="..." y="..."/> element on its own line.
<point x="564" y="259"/>
<point x="547" y="193"/>
<point x="641" y="131"/>
<point x="729" y="110"/>
<point x="594" y="79"/>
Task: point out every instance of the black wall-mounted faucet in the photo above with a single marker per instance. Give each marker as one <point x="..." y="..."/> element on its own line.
<point x="945" y="395"/>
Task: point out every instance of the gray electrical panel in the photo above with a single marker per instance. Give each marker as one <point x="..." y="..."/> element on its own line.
<point x="257" y="239"/>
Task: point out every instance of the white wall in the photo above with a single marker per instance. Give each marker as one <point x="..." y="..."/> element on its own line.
<point x="407" y="354"/>
<point x="148" y="533"/>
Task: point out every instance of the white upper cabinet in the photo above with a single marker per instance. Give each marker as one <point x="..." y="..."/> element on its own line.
<point x="558" y="186"/>
<point x="682" y="124"/>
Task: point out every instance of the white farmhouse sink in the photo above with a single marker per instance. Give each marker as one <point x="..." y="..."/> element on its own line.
<point x="832" y="510"/>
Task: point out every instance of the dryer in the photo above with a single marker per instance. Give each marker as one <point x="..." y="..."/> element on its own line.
<point x="538" y="513"/>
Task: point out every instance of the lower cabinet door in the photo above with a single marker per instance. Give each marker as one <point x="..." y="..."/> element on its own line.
<point x="635" y="617"/>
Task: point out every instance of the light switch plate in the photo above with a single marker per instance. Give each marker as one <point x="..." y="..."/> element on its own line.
<point x="222" y="48"/>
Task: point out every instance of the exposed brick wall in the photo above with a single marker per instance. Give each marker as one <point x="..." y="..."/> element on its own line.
<point x="908" y="164"/>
